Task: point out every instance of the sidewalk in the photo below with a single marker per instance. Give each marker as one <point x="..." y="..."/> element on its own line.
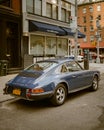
<point x="4" y="79"/>
<point x="97" y="66"/>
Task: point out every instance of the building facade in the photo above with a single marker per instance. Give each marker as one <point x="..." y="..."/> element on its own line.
<point x="90" y="20"/>
<point x="46" y="27"/>
<point x="10" y="33"/>
<point x="35" y="29"/>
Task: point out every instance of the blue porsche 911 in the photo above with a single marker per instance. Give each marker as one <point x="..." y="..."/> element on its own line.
<point x="53" y="79"/>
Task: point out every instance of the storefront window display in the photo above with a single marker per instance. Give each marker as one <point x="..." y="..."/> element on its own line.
<point x="62" y="48"/>
<point x="48" y="46"/>
<point x="36" y="45"/>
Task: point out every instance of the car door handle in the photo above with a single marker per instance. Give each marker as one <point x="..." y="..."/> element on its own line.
<point x="74" y="76"/>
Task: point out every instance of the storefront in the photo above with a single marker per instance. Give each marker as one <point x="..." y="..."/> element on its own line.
<point x="46" y="28"/>
<point x="46" y="40"/>
<point x="93" y="50"/>
<point x="10" y="43"/>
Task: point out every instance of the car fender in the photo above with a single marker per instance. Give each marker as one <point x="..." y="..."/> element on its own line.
<point x="61" y="82"/>
<point x="97" y="73"/>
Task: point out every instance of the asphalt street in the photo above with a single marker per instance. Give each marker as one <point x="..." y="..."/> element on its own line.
<point x="4" y="79"/>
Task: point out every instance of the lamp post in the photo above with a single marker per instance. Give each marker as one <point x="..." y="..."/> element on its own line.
<point x="98" y="36"/>
<point x="76" y="30"/>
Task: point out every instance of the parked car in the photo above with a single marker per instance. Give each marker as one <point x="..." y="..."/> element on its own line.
<point x="80" y="58"/>
<point x="53" y="79"/>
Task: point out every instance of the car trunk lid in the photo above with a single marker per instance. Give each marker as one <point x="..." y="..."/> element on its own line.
<point x="26" y="78"/>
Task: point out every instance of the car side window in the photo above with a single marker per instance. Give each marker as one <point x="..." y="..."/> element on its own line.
<point x="63" y="69"/>
<point x="72" y="66"/>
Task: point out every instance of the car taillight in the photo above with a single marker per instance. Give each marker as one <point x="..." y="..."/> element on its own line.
<point x="35" y="91"/>
<point x="29" y="90"/>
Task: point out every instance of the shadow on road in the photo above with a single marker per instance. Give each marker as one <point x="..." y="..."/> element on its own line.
<point x="24" y="105"/>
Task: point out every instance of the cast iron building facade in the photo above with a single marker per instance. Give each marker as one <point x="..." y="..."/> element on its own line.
<point x="46" y="27"/>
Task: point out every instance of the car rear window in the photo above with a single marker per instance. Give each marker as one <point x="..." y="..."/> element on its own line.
<point x="42" y="66"/>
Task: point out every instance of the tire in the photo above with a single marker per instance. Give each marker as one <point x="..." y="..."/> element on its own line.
<point x="59" y="96"/>
<point x="95" y="84"/>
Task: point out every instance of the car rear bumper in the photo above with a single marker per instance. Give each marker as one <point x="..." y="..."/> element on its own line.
<point x="31" y="96"/>
<point x="27" y="95"/>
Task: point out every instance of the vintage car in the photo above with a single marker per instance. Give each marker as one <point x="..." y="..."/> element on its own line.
<point x="53" y="79"/>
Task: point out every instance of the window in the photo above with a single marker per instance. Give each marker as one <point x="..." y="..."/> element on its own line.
<point x="52" y="10"/>
<point x="36" y="45"/>
<point x="29" y="6"/>
<point x="62" y="46"/>
<point x="65" y="11"/>
<point x="91" y="18"/>
<point x="84" y="19"/>
<point x="70" y="67"/>
<point x="55" y="12"/>
<point x="63" y="14"/>
<point x="99" y="17"/>
<point x="34" y="6"/>
<point x="63" y="69"/>
<point x="91" y="38"/>
<point x="38" y="7"/>
<point x="47" y="45"/>
<point x="91" y="8"/>
<point x="50" y="46"/>
<point x="42" y="66"/>
<point x="53" y="1"/>
<point x="99" y="8"/>
<point x="85" y="39"/>
<point x="84" y="10"/>
<point x="91" y="28"/>
<point x="85" y="29"/>
<point x="49" y="10"/>
<point x="65" y="5"/>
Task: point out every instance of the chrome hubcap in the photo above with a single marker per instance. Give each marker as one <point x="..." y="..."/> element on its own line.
<point x="60" y="95"/>
<point x="95" y="84"/>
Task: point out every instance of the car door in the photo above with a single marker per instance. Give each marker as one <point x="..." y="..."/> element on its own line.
<point x="78" y="80"/>
<point x="75" y="76"/>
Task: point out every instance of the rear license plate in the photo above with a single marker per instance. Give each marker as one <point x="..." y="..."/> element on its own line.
<point x="17" y="91"/>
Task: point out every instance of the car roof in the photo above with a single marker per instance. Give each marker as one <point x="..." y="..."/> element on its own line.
<point x="57" y="60"/>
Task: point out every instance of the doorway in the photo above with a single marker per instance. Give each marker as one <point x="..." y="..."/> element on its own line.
<point x="12" y="44"/>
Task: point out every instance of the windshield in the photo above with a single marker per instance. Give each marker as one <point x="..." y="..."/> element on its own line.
<point x="42" y="66"/>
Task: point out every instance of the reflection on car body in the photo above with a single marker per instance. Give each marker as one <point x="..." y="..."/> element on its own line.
<point x="53" y="79"/>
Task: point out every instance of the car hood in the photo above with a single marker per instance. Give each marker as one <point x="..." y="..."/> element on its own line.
<point x="26" y="78"/>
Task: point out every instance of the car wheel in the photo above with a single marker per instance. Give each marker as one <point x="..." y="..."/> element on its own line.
<point x="95" y="84"/>
<point x="59" y="95"/>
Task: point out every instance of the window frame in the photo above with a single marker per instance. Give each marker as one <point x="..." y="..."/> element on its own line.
<point x="98" y="8"/>
<point x="70" y="66"/>
<point x="91" y="28"/>
<point x="84" y="10"/>
<point x="84" y="19"/>
<point x="92" y="38"/>
<point x="52" y="12"/>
